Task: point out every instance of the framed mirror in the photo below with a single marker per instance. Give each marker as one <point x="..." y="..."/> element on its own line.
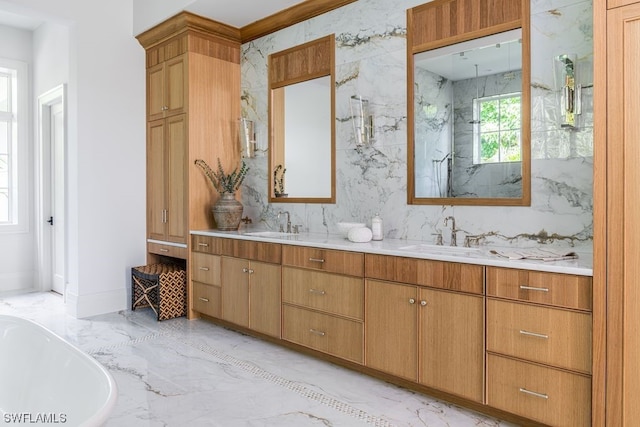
<point x="302" y="123"/>
<point x="469" y="115"/>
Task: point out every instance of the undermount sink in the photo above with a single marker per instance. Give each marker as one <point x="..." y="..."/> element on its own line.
<point x="269" y="234"/>
<point x="438" y="249"/>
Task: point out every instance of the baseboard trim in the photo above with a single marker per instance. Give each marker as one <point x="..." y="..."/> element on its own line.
<point x="86" y="305"/>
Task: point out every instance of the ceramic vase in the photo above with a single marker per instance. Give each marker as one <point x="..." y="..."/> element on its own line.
<point x="227" y="212"/>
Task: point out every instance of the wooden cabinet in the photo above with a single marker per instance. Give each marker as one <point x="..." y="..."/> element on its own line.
<point x="167" y="179"/>
<point x="193" y="104"/>
<point x="251" y="294"/>
<point x="426" y="334"/>
<point x="205" y="276"/>
<point x="539" y="340"/>
<point x="430" y="336"/>
<point x="616" y="203"/>
<point x="323" y="300"/>
<point x="167" y="88"/>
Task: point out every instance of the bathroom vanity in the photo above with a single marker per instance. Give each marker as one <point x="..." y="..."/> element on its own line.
<point x="508" y="337"/>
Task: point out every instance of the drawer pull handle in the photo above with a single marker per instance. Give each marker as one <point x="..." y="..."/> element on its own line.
<point x="317" y="291"/>
<point x="314" y="331"/>
<point x="533" y="334"/>
<point x="204" y="268"/>
<point x="533" y="393"/>
<point x="531" y="288"/>
<point x="204" y="299"/>
<point x="316" y="260"/>
<point x="205" y="245"/>
<point x="164" y="250"/>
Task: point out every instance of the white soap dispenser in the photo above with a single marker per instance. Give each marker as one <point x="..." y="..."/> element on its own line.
<point x="376" y="228"/>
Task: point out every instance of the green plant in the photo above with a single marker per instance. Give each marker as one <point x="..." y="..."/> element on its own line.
<point x="224" y="183"/>
<point x="278" y="183"/>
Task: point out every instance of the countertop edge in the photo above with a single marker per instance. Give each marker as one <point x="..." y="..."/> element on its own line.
<point x="582" y="266"/>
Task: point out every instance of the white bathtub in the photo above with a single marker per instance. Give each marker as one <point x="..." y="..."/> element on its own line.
<point x="46" y="380"/>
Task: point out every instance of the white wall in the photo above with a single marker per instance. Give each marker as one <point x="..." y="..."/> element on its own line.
<point x="17" y="265"/>
<point x="105" y="144"/>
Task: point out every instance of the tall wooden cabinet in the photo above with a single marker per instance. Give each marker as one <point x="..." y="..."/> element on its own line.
<point x="193" y="109"/>
<point x="616" y="219"/>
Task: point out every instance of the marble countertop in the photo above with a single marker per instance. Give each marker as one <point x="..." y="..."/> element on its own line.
<point x="583" y="265"/>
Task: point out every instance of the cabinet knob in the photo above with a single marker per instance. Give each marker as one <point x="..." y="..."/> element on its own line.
<point x="423" y="303"/>
<point x="245" y="270"/>
<point x="412" y="301"/>
<point x="250" y="271"/>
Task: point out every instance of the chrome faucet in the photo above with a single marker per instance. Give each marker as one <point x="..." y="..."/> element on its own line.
<point x="288" y="221"/>
<point x="454" y="231"/>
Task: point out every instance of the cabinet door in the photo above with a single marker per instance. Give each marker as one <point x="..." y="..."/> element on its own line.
<point x="176" y="175"/>
<point x="452" y="342"/>
<point x="264" y="298"/>
<point x="156" y="182"/>
<point x="155" y="92"/>
<point x="166" y="88"/>
<point x="175" y="86"/>
<point x="391" y="321"/>
<point x="621" y="219"/>
<point x="235" y="290"/>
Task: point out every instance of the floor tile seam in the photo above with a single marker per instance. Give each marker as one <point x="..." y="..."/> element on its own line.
<point x="298" y="388"/>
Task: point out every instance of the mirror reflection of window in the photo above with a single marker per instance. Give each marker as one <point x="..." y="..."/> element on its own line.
<point x="496" y="138"/>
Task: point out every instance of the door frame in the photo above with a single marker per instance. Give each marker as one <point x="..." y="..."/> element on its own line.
<point x="42" y="168"/>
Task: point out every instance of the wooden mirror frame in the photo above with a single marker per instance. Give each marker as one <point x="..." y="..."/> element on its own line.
<point x="298" y="64"/>
<point x="447" y="22"/>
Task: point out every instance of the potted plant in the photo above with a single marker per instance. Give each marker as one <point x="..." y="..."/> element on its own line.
<point x="278" y="182"/>
<point x="227" y="211"/>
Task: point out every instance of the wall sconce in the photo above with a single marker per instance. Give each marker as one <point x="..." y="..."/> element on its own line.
<point x="570" y="93"/>
<point x="247" y="138"/>
<point x="362" y="120"/>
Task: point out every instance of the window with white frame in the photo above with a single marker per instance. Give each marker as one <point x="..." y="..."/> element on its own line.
<point x="13" y="140"/>
<point x="496" y="136"/>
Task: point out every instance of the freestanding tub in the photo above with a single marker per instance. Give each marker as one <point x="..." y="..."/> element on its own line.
<point x="46" y="380"/>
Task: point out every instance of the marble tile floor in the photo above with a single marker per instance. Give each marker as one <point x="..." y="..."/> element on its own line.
<point x="194" y="373"/>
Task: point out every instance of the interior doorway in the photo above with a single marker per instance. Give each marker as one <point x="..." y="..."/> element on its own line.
<point x="52" y="197"/>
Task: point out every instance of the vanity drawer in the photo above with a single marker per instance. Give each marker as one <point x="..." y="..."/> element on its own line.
<point x="323" y="332"/>
<point x="167" y="250"/>
<point x="562" y="290"/>
<point x="207" y="299"/>
<point x="328" y="292"/>
<point x="437" y="274"/>
<point x="547" y="335"/>
<point x="547" y="395"/>
<point x="205" y="268"/>
<point x="332" y="261"/>
<point x="206" y="244"/>
<point x="250" y="249"/>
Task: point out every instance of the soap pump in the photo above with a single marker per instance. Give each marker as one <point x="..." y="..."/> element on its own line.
<point x="376" y="228"/>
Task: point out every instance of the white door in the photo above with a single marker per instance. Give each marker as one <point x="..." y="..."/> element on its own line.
<point x="52" y="245"/>
<point x="57" y="216"/>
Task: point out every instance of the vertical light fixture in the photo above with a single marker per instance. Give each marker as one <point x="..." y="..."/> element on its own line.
<point x="362" y="120"/>
<point x="247" y="138"/>
<point x="570" y="93"/>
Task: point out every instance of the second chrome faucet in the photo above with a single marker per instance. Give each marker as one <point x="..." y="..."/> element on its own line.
<point x="454" y="230"/>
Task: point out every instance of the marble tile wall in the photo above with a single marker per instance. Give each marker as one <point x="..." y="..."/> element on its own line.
<point x="371" y="61"/>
